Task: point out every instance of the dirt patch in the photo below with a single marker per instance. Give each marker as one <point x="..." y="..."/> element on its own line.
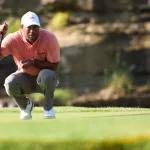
<point x="104" y="98"/>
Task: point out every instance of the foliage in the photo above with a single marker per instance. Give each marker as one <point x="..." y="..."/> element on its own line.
<point x="3" y="16"/>
<point x="13" y="24"/>
<point x="36" y="97"/>
<point x="61" y="97"/>
<point x="59" y="20"/>
<point x="118" y="79"/>
<point x="120" y="82"/>
<point x="64" y="94"/>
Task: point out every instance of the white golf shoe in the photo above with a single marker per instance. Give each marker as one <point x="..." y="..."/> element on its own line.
<point x="26" y="114"/>
<point x="49" y="114"/>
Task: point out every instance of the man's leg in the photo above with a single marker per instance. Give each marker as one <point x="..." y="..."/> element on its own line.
<point x="47" y="80"/>
<point x="19" y="84"/>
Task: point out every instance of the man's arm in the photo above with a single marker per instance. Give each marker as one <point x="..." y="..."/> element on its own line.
<point x="39" y="64"/>
<point x="1" y="38"/>
<point x="44" y="64"/>
<point x="3" y="31"/>
<point x="3" y="28"/>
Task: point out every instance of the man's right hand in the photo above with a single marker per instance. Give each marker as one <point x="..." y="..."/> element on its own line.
<point x="3" y="28"/>
<point x="3" y="31"/>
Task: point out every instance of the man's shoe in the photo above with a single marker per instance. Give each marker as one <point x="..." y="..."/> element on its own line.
<point x="26" y="114"/>
<point x="49" y="114"/>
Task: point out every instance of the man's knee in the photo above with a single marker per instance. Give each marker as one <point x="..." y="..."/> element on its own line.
<point x="46" y="75"/>
<point x="9" y="84"/>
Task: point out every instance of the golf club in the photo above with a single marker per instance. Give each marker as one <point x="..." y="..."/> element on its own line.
<point x="1" y="37"/>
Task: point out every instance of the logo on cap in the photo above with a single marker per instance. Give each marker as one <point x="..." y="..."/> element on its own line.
<point x="32" y="18"/>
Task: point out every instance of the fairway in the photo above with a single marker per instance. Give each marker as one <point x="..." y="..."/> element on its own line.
<point x="76" y="123"/>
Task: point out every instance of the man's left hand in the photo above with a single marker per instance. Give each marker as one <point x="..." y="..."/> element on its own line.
<point x="26" y="63"/>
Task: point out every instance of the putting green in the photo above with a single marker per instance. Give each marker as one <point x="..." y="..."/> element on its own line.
<point x="76" y="123"/>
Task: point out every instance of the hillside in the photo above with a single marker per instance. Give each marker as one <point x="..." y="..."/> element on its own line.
<point x="96" y="42"/>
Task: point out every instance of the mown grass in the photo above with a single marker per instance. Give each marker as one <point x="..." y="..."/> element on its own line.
<point x="77" y="128"/>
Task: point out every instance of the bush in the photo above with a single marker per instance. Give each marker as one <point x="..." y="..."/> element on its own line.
<point x="62" y="97"/>
<point x="13" y="24"/>
<point x="120" y="82"/>
<point x="59" y="20"/>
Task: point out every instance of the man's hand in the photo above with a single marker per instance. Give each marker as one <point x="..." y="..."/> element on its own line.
<point x="3" y="28"/>
<point x="40" y="64"/>
<point x="26" y="63"/>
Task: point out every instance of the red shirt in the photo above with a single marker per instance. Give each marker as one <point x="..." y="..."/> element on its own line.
<point x="44" y="48"/>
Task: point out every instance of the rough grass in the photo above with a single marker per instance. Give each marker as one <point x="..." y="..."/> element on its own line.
<point x="138" y="143"/>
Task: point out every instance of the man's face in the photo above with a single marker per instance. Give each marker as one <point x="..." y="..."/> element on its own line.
<point x="31" y="33"/>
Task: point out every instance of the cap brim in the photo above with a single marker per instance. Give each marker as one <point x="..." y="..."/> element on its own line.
<point x="30" y="24"/>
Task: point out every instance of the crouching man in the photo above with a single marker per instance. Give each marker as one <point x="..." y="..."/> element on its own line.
<point x="36" y="53"/>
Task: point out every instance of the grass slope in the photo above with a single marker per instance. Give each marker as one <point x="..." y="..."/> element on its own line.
<point x="77" y="127"/>
<point x="76" y="123"/>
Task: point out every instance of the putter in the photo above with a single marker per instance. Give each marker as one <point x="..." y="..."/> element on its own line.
<point x="2" y="34"/>
<point x="1" y="37"/>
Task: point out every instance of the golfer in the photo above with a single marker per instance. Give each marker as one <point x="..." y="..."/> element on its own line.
<point x="36" y="53"/>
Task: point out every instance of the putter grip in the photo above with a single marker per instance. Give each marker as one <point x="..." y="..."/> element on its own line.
<point x="1" y="36"/>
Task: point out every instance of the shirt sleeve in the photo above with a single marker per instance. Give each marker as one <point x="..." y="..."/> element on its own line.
<point x="53" y="50"/>
<point x="6" y="45"/>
